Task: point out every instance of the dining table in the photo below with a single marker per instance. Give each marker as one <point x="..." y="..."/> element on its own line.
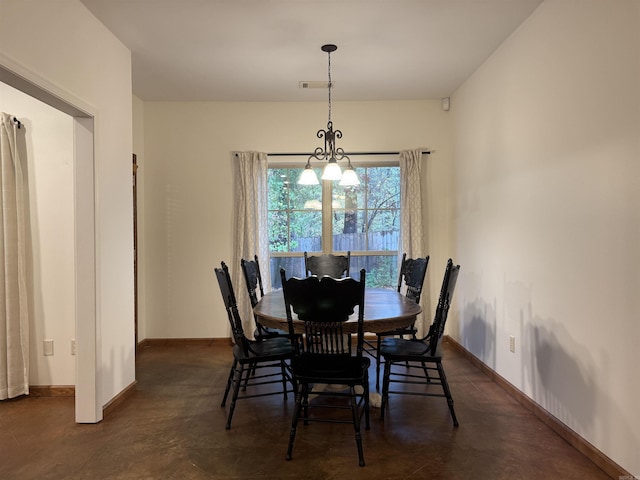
<point x="384" y="310"/>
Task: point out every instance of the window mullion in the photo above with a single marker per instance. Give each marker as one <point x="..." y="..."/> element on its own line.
<point x="327" y="217"/>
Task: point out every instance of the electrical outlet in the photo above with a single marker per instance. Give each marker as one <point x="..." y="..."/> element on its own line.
<point x="48" y="347"/>
<point x="73" y="346"/>
<point x="512" y="344"/>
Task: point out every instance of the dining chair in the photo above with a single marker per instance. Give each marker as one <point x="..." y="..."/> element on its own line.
<point x="253" y="280"/>
<point x="411" y="277"/>
<point x="336" y="266"/>
<point x="326" y="354"/>
<point x="253" y="361"/>
<point x="421" y="354"/>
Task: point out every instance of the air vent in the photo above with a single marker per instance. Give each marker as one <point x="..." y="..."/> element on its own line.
<point x="316" y="84"/>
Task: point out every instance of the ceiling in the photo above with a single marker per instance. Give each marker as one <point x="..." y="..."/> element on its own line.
<point x="260" y="50"/>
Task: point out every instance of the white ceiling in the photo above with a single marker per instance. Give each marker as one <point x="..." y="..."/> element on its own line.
<point x="259" y="50"/>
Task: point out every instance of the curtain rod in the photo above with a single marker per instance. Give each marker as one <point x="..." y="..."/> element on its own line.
<point x="425" y="152"/>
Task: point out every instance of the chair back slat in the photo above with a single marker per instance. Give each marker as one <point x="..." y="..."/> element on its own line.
<point x="326" y="338"/>
<point x="253" y="279"/>
<point x="412" y="274"/>
<point x="336" y="266"/>
<point x="444" y="302"/>
<point x="231" y="306"/>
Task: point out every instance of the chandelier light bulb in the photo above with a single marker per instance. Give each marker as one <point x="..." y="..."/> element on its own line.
<point x="308" y="176"/>
<point x="349" y="178"/>
<point x="332" y="171"/>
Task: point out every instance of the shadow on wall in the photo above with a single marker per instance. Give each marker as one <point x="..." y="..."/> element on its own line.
<point x="566" y="378"/>
<point x="560" y="372"/>
<point x="479" y="331"/>
<point x="478" y="322"/>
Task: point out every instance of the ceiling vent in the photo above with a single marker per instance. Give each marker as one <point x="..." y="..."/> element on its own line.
<point x="316" y="84"/>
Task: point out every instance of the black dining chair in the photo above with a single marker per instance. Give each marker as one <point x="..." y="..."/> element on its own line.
<point x="326" y="354"/>
<point x="411" y="277"/>
<point x="421" y="354"/>
<point x="255" y="363"/>
<point x="253" y="281"/>
<point x="336" y="266"/>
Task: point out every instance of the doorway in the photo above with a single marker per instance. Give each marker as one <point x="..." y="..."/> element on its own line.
<point x="87" y="408"/>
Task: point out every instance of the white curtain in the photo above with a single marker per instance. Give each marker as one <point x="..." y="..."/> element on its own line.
<point x="14" y="315"/>
<point x="251" y="227"/>
<point x="411" y="229"/>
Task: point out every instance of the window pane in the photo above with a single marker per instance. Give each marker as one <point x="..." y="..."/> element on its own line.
<point x="383" y="187"/>
<point x="349" y="238"/>
<point x="381" y="270"/>
<point x="293" y="267"/>
<point x="304" y="196"/>
<point x="367" y="216"/>
<point x="278" y="232"/>
<point x="285" y="193"/>
<point x="306" y="231"/>
<point x="384" y="231"/>
<point x="295" y="217"/>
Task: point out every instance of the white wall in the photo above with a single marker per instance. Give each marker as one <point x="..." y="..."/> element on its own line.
<point x="547" y="195"/>
<point x="60" y="44"/>
<point x="48" y="135"/>
<point x="189" y="181"/>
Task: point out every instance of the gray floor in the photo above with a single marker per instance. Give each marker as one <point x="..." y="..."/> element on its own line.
<point x="173" y="428"/>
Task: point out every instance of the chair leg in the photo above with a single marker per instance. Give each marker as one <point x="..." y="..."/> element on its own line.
<point x="229" y="380"/>
<point x="356" y="425"/>
<point x="367" y="424"/>
<point x="426" y="372"/>
<point x="378" y="359"/>
<point x="447" y="392"/>
<point x="300" y="393"/>
<point x="236" y="390"/>
<point x="284" y="378"/>
<point x="250" y="371"/>
<point x="385" y="387"/>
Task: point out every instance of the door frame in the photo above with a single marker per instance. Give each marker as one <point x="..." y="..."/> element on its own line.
<point x="87" y="399"/>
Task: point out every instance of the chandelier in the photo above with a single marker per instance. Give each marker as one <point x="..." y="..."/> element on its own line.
<point x="329" y="153"/>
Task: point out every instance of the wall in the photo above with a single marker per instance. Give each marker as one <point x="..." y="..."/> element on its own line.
<point x="61" y="45"/>
<point x="189" y="192"/>
<point x="547" y="195"/>
<point x="48" y="137"/>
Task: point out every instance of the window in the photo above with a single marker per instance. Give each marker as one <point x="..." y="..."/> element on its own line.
<point x="329" y="218"/>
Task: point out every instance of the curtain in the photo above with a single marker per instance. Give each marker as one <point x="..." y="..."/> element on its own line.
<point x="14" y="315"/>
<point x="411" y="230"/>
<point x="250" y="228"/>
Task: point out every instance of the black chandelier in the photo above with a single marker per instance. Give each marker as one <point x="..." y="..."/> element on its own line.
<point x="330" y="153"/>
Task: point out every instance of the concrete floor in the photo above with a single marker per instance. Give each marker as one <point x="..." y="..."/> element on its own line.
<point x="172" y="427"/>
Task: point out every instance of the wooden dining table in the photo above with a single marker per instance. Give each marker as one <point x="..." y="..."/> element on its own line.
<point x="384" y="310"/>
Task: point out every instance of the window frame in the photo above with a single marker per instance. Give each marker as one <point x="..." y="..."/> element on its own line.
<point x="327" y="189"/>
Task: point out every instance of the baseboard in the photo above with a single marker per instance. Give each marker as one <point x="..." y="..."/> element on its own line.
<point x="583" y="446"/>
<point x="119" y="399"/>
<point x="52" y="391"/>
<point x="183" y="342"/>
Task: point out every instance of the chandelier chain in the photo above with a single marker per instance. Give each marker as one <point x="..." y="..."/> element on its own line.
<point x="329" y="85"/>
